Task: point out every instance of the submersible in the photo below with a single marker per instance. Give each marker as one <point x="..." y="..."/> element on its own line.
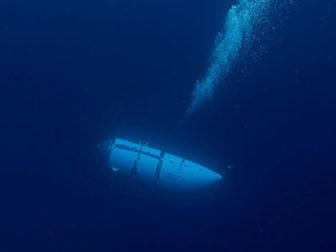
<point x="153" y="166"/>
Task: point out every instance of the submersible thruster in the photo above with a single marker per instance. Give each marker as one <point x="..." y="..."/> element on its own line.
<point x="157" y="167"/>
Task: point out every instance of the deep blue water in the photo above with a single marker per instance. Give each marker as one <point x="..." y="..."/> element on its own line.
<point x="73" y="73"/>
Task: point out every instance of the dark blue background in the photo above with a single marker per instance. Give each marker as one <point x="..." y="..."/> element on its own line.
<point x="74" y="73"/>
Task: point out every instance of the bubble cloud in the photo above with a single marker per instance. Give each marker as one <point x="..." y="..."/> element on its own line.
<point x="245" y="23"/>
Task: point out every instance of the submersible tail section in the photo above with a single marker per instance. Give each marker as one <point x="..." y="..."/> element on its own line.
<point x="157" y="167"/>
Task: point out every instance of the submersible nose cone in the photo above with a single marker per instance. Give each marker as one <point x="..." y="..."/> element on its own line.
<point x="215" y="177"/>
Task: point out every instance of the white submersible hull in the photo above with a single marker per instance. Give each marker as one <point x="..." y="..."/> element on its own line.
<point x="156" y="167"/>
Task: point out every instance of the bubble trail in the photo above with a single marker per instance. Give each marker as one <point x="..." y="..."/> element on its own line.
<point x="239" y="31"/>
